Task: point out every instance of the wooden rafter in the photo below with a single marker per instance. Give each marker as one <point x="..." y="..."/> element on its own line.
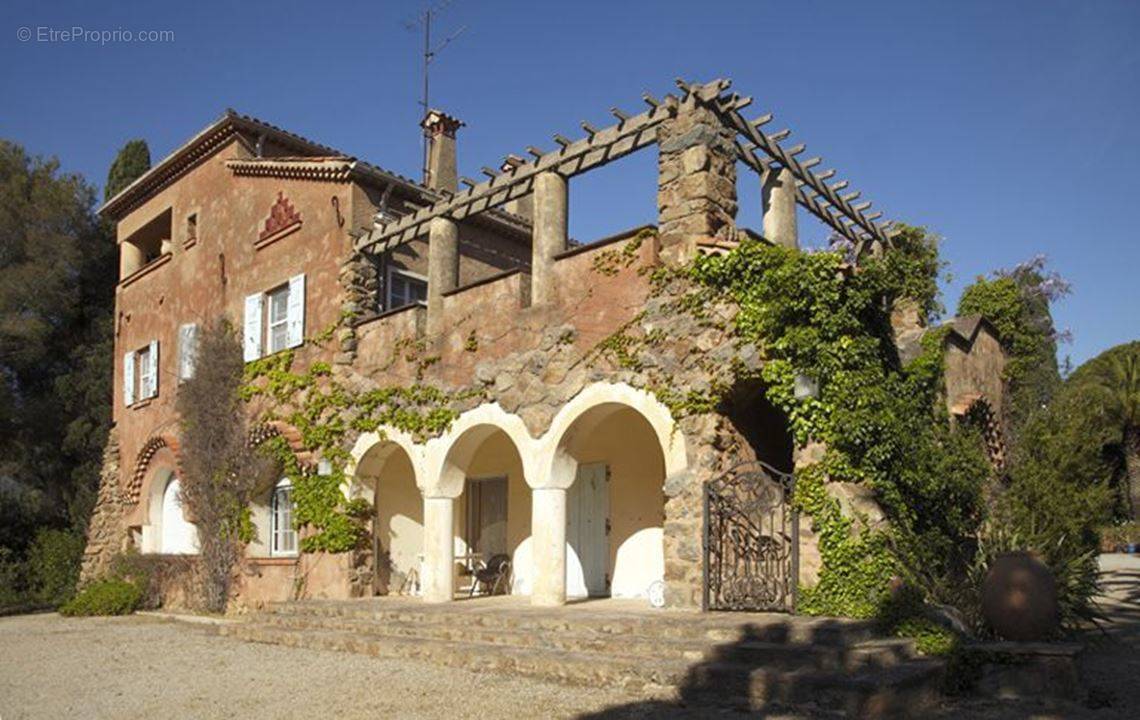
<point x="573" y="157"/>
<point x="812" y="191"/>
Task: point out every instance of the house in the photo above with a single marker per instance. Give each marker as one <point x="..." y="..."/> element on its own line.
<point x="577" y="471"/>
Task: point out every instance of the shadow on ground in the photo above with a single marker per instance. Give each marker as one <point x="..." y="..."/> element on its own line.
<point x="1110" y="668"/>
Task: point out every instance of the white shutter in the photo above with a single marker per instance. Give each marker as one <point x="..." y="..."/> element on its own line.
<point x="128" y="378"/>
<point x="152" y="359"/>
<point x="187" y="350"/>
<point x="295" y="327"/>
<point x="252" y="333"/>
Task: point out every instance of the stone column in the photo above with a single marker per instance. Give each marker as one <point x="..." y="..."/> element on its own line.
<point x="696" y="181"/>
<point x="548" y="533"/>
<point x="130" y="259"/>
<point x="778" y="195"/>
<point x="439" y="549"/>
<point x="551" y="218"/>
<point x="443" y="269"/>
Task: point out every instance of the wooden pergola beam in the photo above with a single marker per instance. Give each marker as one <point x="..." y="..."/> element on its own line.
<point x="572" y="158"/>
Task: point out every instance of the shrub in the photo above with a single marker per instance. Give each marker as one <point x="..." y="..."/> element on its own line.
<point x="12" y="593"/>
<point x="53" y="565"/>
<point x="111" y="596"/>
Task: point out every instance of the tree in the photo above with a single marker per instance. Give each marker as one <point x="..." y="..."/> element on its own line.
<point x="1017" y="302"/>
<point x="132" y="161"/>
<point x="1112" y="380"/>
<point x="54" y="283"/>
<point x="219" y="470"/>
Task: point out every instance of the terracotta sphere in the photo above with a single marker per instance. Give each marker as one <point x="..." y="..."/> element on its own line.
<point x="1019" y="598"/>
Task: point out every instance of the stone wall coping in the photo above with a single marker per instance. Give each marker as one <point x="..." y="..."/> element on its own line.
<point x="145" y="270"/>
<point x="608" y="240"/>
<point x="484" y="281"/>
<point x="387" y="313"/>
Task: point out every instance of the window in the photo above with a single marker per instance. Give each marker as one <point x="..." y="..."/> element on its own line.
<point x="278" y="319"/>
<point x="191" y="230"/>
<point x="187" y="350"/>
<point x="284" y="535"/>
<point x="140" y="374"/>
<point x="405" y="288"/>
<point x="145" y="372"/>
<point x="275" y="320"/>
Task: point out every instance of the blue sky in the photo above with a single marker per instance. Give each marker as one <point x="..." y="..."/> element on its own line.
<point x="1008" y="127"/>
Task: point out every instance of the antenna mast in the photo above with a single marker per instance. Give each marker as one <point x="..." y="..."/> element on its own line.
<point x="424" y="20"/>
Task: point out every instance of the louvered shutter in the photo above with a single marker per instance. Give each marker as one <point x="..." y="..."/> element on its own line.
<point x="187" y="350"/>
<point x="128" y="378"/>
<point x="295" y="327"/>
<point x="252" y="335"/>
<point x="152" y="359"/>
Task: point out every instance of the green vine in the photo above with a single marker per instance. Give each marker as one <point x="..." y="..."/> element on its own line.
<point x="324" y="412"/>
<point x="884" y="426"/>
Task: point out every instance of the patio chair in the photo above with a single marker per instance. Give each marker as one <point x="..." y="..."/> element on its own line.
<point x="495" y="573"/>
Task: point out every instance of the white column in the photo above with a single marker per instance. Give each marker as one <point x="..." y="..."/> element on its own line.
<point x="551" y="229"/>
<point x="548" y="530"/>
<point x="439" y="550"/>
<point x="778" y="194"/>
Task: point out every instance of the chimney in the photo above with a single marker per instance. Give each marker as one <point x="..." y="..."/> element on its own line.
<point x="441" y="172"/>
<point x="521" y="206"/>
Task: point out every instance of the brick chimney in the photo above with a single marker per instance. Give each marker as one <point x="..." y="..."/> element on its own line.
<point x="441" y="166"/>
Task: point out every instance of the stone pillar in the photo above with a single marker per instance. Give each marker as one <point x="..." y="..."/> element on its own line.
<point x="443" y="269"/>
<point x="551" y="218"/>
<point x="696" y="181"/>
<point x="130" y="259"/>
<point x="439" y="549"/>
<point x="778" y="195"/>
<point x="548" y="533"/>
<point x="441" y="172"/>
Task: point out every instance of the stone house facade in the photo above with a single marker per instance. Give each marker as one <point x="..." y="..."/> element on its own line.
<point x="565" y="462"/>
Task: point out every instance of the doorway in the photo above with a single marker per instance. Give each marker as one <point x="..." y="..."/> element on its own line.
<point x="587" y="532"/>
<point x="486" y="515"/>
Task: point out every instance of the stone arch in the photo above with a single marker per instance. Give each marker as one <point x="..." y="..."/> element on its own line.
<point x="384" y="469"/>
<point x="612" y="448"/>
<point x="590" y="407"/>
<point x="447" y="456"/>
<point x="262" y="433"/>
<point x="145" y="458"/>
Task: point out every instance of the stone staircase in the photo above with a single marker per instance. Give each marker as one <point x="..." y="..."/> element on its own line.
<point x="741" y="660"/>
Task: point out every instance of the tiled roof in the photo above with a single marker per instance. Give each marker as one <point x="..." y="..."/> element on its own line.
<point x="312" y="160"/>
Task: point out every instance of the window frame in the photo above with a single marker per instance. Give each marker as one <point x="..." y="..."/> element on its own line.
<point x="408" y="277"/>
<point x="283" y="488"/>
<point x="281" y="291"/>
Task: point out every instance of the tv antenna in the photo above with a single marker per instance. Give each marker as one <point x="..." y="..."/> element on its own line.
<point x="423" y="20"/>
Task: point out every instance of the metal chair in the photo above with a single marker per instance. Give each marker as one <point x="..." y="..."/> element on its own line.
<point x="495" y="573"/>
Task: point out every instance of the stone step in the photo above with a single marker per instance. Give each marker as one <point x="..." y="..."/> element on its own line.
<point x="718" y="627"/>
<point x="900" y="689"/>
<point x="632" y="673"/>
<point x="904" y="690"/>
<point x="873" y="653"/>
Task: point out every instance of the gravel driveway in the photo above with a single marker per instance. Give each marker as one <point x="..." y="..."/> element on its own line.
<point x="138" y="667"/>
<point x="142" y="667"/>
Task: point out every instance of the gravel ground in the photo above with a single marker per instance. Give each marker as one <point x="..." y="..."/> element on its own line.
<point x="142" y="667"/>
<point x="137" y="667"/>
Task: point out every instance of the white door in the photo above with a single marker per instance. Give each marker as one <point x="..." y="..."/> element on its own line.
<point x="587" y="542"/>
<point x="179" y="536"/>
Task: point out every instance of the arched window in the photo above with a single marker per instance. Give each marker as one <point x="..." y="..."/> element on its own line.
<point x="283" y="536"/>
<point x="178" y="536"/>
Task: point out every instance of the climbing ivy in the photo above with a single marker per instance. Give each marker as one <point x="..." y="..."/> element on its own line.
<point x="324" y="411"/>
<point x="883" y="424"/>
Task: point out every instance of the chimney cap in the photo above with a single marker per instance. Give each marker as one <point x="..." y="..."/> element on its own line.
<point x="437" y="121"/>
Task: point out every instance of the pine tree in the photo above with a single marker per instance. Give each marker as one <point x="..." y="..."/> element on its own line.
<point x="129" y="165"/>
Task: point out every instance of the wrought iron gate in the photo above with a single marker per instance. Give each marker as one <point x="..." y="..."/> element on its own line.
<point x="751" y="534"/>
